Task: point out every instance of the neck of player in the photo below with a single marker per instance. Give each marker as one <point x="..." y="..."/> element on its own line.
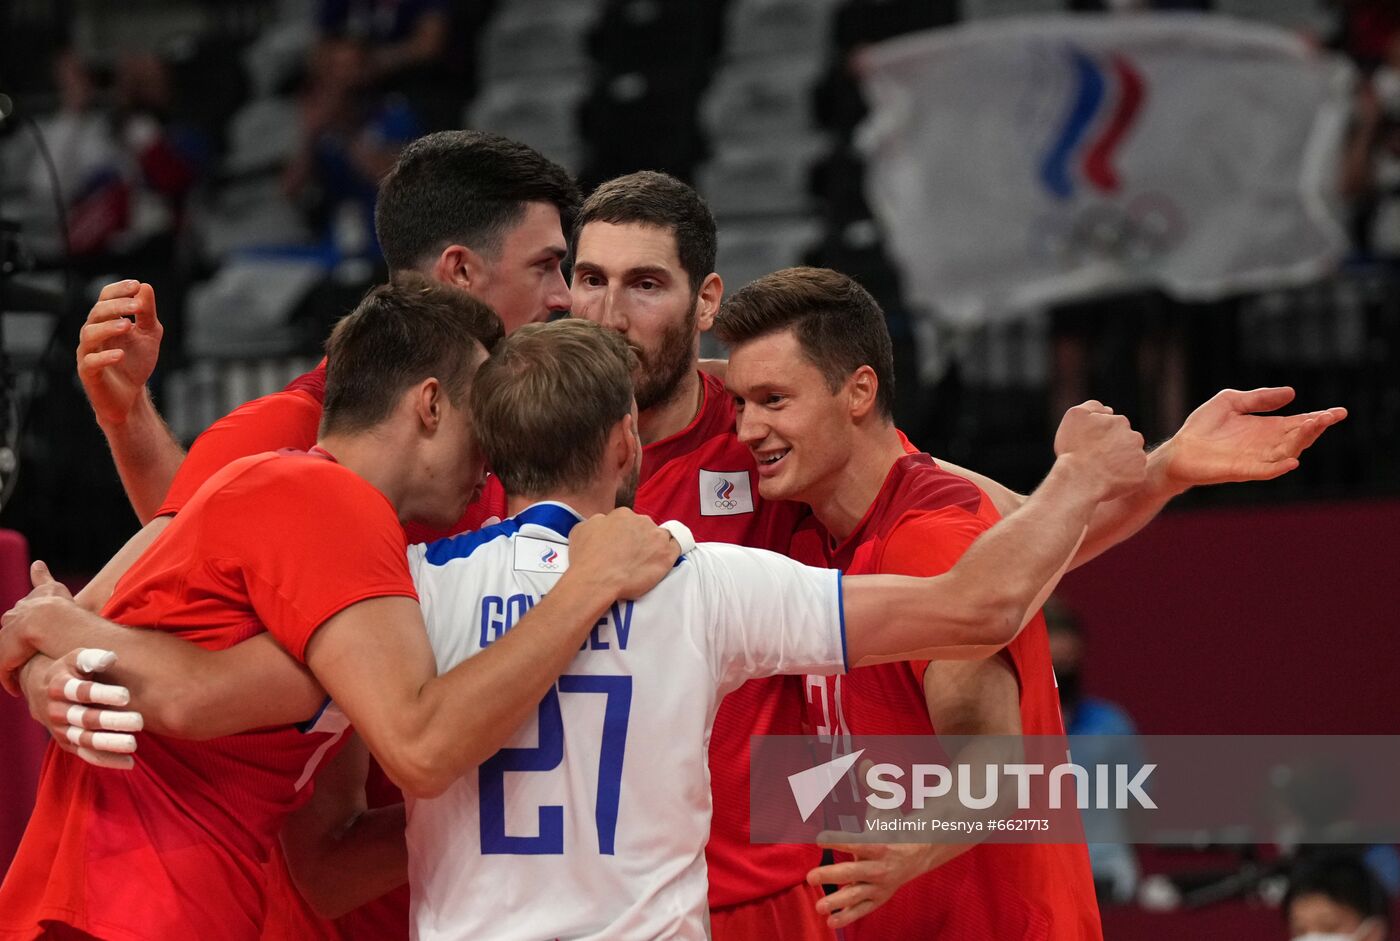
<point x="671" y="416"/>
<point x="841" y="499"/>
<point x="380" y="458"/>
<point x="599" y="498"/>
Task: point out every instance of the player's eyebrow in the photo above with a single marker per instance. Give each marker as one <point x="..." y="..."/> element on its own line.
<point x="640" y="271"/>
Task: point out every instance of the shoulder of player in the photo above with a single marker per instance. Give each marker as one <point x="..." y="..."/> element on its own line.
<point x="295" y="476"/>
<point x="477" y="544"/>
<point x="924" y="485"/>
<point x="931" y="534"/>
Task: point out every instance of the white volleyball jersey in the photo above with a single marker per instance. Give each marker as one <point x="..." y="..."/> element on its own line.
<point x="592" y="821"/>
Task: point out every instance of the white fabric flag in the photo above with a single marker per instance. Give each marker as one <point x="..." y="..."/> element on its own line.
<point x="1023" y="161"/>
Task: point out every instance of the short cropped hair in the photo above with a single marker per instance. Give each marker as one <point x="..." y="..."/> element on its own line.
<point x="838" y="324"/>
<point x="663" y="202"/>
<point x="463" y="188"/>
<point x="544" y="403"/>
<point x="400" y="334"/>
<point x="1345" y="880"/>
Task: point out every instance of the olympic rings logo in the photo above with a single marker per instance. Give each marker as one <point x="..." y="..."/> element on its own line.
<point x="726" y="504"/>
<point x="1135" y="233"/>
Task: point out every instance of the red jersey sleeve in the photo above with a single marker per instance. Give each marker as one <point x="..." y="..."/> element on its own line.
<point x="313" y="539"/>
<point x="287" y="419"/>
<point x="929" y="542"/>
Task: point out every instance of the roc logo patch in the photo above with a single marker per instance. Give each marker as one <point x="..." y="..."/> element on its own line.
<point x="725" y="493"/>
<point x="540" y="555"/>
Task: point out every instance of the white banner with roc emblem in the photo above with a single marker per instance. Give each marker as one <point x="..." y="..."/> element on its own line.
<point x="1023" y="161"/>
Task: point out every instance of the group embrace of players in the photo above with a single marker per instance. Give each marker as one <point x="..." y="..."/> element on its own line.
<point x="270" y="720"/>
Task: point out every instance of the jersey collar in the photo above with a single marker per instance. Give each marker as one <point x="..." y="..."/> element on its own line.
<point x="550" y="514"/>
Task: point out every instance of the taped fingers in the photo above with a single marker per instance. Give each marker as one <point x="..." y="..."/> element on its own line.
<point x="113" y="742"/>
<point x="103" y="694"/>
<point x="93" y="659"/>
<point x="81" y="717"/>
<point x="105" y="759"/>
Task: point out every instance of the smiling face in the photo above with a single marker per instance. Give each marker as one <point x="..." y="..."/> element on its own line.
<point x="628" y="278"/>
<point x="797" y="429"/>
<point x="523" y="282"/>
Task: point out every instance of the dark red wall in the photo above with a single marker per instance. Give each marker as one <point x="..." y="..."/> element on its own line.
<point x="1278" y="619"/>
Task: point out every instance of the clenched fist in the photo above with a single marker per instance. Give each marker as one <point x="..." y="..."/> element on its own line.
<point x="1104" y="448"/>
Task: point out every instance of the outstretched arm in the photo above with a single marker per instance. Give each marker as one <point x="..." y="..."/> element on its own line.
<point x="985" y="600"/>
<point x="117" y="352"/>
<point x="1225" y="440"/>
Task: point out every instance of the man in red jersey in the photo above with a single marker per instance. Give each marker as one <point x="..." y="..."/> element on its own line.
<point x="811" y="372"/>
<point x="468" y="209"/>
<point x="644" y="254"/>
<point x="308" y="548"/>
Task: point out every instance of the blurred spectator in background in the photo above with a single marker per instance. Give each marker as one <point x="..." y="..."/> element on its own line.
<point x="350" y="137"/>
<point x="122" y="171"/>
<point x="165" y="158"/>
<point x="406" y="44"/>
<point x="87" y="161"/>
<point x="1371" y="166"/>
<point x="1100" y="732"/>
<point x="1336" y="898"/>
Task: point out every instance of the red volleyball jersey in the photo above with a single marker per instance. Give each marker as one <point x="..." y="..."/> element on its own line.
<point x="705" y="478"/>
<point x="291" y="419"/>
<point x="920" y="523"/>
<point x="178" y="846"/>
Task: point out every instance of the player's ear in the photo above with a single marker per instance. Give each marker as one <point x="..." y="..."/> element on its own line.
<point x="460" y="267"/>
<point x="707" y="302"/>
<point x="622" y="444"/>
<point x="862" y="390"/>
<point x="428" y="397"/>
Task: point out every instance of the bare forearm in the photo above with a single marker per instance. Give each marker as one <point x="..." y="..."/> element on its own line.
<point x="427" y="730"/>
<point x="147" y="456"/>
<point x="1116" y="521"/>
<point x="984" y="601"/>
<point x="340" y="853"/>
<point x="344" y="870"/>
<point x="493" y="693"/>
<point x="182" y="689"/>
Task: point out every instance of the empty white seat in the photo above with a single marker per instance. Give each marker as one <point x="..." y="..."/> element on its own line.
<point x="764" y="28"/>
<point x="540" y="112"/>
<point x="761" y="101"/>
<point x="773" y="177"/>
<point x="245" y="309"/>
<point x="750" y="250"/>
<point x="538" y="36"/>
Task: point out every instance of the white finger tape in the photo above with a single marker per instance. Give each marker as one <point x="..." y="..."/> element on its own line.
<point x="70" y="689"/>
<point x="114" y="741"/>
<point x="76" y="715"/>
<point x="75" y="735"/>
<point x="108" y="695"/>
<point x="121" y="721"/>
<point x="91" y="659"/>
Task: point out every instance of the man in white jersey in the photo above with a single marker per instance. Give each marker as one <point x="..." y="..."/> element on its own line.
<point x="592" y="821"/>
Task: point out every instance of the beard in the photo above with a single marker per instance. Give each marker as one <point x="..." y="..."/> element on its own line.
<point x="627" y="490"/>
<point x="659" y="375"/>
